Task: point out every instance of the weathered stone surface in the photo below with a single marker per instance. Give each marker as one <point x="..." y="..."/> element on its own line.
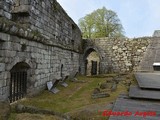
<point x="42" y="35"/>
<point x="151" y="56"/>
<point x="4" y="37"/>
<point x="148" y="80"/>
<point x="114" y="87"/>
<point x="117" y="55"/>
<point x="36" y="36"/>
<point x="103" y="85"/>
<point x="123" y="103"/>
<point x="2" y="67"/>
<point x="136" y="92"/>
<point x="96" y="91"/>
<point x="100" y="95"/>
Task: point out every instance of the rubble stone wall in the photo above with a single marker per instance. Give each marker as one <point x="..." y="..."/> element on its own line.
<point x="120" y="55"/>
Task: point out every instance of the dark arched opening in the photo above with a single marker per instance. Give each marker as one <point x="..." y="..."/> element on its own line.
<point x="91" y="62"/>
<point x="62" y="70"/>
<point x="18" y="81"/>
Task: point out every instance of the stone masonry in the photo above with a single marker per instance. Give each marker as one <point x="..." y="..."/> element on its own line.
<point x="118" y="55"/>
<point x="40" y="34"/>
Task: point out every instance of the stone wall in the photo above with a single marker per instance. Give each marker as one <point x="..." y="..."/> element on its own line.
<point x="43" y="17"/>
<point x="40" y="34"/>
<point x="5" y="8"/>
<point x="129" y="53"/>
<point x="120" y="55"/>
<point x="48" y="18"/>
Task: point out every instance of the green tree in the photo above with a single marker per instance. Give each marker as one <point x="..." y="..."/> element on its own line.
<point x="101" y="23"/>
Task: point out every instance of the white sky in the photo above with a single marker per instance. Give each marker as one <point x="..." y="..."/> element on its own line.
<point x="138" y="17"/>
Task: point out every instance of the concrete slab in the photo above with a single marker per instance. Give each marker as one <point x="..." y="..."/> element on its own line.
<point x="148" y="80"/>
<point x="123" y="104"/>
<point x="136" y="92"/>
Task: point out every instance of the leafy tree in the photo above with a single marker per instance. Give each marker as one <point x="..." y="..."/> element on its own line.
<point x="101" y="23"/>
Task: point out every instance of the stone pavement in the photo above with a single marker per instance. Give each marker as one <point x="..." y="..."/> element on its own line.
<point x="144" y="107"/>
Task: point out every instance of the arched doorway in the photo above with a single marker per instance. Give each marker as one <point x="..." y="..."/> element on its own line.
<point x="18" y="81"/>
<point x="92" y="67"/>
<point x="91" y="62"/>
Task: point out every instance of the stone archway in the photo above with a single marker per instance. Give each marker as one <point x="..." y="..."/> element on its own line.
<point x="18" y="81"/>
<point x="91" y="66"/>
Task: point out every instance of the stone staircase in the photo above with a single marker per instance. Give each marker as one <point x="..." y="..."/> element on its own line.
<point x="143" y="100"/>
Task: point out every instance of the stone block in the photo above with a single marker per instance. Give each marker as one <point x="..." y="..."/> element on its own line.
<point x="100" y="95"/>
<point x="136" y="92"/>
<point x="7" y="15"/>
<point x="4" y="75"/>
<point x="4" y="37"/>
<point x="5" y="90"/>
<point x="1" y="12"/>
<point x="8" y="53"/>
<point x="6" y="45"/>
<point x="2" y="59"/>
<point x="2" y="67"/>
<point x="22" y="9"/>
<point x="1" y="83"/>
<point x="24" y="2"/>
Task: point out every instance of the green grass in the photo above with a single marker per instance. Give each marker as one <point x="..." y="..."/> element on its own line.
<point x="74" y="97"/>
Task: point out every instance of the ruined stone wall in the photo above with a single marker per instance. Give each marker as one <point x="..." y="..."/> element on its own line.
<point x="120" y="55"/>
<point x="43" y="17"/>
<point x="48" y="18"/>
<point x="40" y="34"/>
<point x="128" y="54"/>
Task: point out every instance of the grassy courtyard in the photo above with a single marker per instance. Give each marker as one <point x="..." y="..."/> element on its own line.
<point x="74" y="100"/>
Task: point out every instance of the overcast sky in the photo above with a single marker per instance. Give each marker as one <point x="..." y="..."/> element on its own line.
<point x="138" y="17"/>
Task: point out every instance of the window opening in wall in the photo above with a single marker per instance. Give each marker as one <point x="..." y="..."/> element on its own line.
<point x="62" y="70"/>
<point x="72" y="42"/>
<point x="71" y="56"/>
<point x="18" y="81"/>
